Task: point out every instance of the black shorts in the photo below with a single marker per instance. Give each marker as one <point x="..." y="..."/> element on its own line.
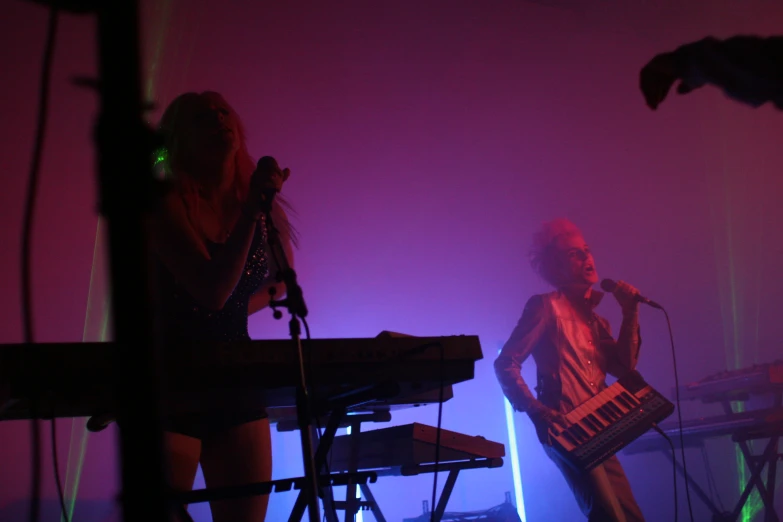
<point x="204" y="426"/>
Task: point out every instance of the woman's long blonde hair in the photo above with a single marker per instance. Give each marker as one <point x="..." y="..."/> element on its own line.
<point x="171" y="125"/>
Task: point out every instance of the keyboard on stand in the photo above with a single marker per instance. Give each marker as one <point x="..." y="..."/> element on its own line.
<point x="345" y="376"/>
<point x="747" y="425"/>
<point x="77" y="379"/>
<point x="736" y="385"/>
<point x="752" y="401"/>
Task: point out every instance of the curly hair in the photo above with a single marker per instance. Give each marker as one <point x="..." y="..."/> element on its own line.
<point x="172" y="123"/>
<point x="544" y="248"/>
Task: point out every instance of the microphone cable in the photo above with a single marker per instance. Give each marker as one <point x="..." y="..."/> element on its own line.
<point x="26" y="255"/>
<point x="679" y="421"/>
<point x="609" y="286"/>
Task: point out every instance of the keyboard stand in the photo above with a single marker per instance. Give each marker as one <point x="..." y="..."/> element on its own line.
<point x="769" y="457"/>
<point x="353" y="503"/>
<point x="717" y="514"/>
<point x="756" y="463"/>
<point x="408" y="471"/>
<point x="336" y="419"/>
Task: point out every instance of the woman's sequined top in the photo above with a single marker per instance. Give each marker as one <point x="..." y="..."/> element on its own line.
<point x="183" y="318"/>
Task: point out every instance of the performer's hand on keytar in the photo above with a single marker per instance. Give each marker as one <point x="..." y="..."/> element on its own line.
<point x="548" y="416"/>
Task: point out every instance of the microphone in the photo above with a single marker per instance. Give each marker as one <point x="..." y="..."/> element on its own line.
<point x="608" y="285"/>
<point x="268" y="164"/>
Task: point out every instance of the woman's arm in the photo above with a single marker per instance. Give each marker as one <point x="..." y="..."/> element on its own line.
<point x="260" y="299"/>
<point x="210" y="280"/>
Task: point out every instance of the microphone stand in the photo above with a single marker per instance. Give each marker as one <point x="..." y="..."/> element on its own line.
<point x="294" y="302"/>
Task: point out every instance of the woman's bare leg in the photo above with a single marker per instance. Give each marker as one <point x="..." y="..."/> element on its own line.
<point x="182" y="456"/>
<point x="240" y="455"/>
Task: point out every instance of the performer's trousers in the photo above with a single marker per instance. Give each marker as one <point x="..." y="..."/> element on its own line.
<point x="603" y="493"/>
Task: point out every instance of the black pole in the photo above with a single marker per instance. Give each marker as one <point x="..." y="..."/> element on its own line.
<point x="127" y="189"/>
<point x="127" y="192"/>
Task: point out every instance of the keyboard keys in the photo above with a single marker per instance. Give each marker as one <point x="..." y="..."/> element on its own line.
<point x="598" y="414"/>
